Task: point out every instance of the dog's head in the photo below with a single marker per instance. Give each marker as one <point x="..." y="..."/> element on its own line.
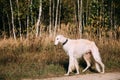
<point x="59" y="39"/>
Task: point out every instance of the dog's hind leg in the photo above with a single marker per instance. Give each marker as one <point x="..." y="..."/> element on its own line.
<point x="102" y="65"/>
<point x="87" y="60"/>
<point x="97" y="67"/>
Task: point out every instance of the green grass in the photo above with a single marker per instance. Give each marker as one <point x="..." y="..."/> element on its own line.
<point x="39" y="58"/>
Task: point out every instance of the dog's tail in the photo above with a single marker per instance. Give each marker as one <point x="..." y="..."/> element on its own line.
<point x="96" y="55"/>
<point x="95" y="52"/>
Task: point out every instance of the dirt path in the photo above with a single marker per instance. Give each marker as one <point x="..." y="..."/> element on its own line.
<point x="106" y="76"/>
<point x="96" y="76"/>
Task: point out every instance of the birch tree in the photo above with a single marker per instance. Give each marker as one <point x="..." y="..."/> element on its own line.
<point x="56" y="18"/>
<point x="59" y="13"/>
<point x="38" y="21"/>
<point x="80" y="17"/>
<point x="53" y="11"/>
<point x="27" y="26"/>
<point x="12" y="16"/>
<point x="31" y="11"/>
<point x="50" y="21"/>
<point x="111" y="14"/>
<point x="29" y="7"/>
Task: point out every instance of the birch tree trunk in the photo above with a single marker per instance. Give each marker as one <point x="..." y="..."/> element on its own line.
<point x="31" y="11"/>
<point x="19" y="19"/>
<point x="103" y="13"/>
<point x="114" y="19"/>
<point x="13" y="26"/>
<point x="111" y="15"/>
<point x="27" y="26"/>
<point x="38" y="21"/>
<point x="50" y="33"/>
<point x="80" y="17"/>
<point x="81" y="11"/>
<point x="76" y="16"/>
<point x="60" y="1"/>
<point x="86" y="13"/>
<point x="97" y="21"/>
<point x="53" y="11"/>
<point x="56" y="18"/>
<point x="29" y="7"/>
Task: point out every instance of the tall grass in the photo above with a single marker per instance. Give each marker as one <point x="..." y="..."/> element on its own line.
<point x="39" y="58"/>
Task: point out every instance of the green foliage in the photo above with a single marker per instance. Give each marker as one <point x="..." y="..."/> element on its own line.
<point x="67" y="11"/>
<point x="96" y="13"/>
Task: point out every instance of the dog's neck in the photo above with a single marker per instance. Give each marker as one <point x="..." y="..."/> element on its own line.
<point x="65" y="42"/>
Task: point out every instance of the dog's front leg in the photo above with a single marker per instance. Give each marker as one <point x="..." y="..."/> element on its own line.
<point x="70" y="66"/>
<point x="69" y="69"/>
<point x="67" y="74"/>
<point x="76" y="65"/>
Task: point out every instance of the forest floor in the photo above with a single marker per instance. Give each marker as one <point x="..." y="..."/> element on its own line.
<point x="95" y="76"/>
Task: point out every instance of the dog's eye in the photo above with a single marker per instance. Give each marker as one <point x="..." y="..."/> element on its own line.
<point x="57" y="38"/>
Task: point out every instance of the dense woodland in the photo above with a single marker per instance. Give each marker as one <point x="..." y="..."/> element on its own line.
<point x="23" y="18"/>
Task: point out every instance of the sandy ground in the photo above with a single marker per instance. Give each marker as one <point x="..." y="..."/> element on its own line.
<point x="95" y="76"/>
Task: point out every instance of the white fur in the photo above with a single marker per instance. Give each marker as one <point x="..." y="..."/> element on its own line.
<point x="75" y="49"/>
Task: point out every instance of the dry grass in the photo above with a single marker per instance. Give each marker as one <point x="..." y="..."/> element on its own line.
<point x="37" y="57"/>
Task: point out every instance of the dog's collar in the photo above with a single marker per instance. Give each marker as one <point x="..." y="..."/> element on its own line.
<point x="65" y="42"/>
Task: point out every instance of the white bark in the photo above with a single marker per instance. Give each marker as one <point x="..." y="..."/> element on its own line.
<point x="31" y="3"/>
<point x="111" y="15"/>
<point x="27" y="26"/>
<point x="53" y="11"/>
<point x="80" y="17"/>
<point x="97" y="21"/>
<point x="13" y="26"/>
<point x="59" y="13"/>
<point x="38" y="21"/>
<point x="56" y="18"/>
<point x="50" y="33"/>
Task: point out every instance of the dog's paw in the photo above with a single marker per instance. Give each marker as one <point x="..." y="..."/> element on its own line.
<point x="77" y="73"/>
<point x="102" y="72"/>
<point x="66" y="74"/>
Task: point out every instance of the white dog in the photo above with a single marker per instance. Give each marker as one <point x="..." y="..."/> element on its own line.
<point x="76" y="49"/>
